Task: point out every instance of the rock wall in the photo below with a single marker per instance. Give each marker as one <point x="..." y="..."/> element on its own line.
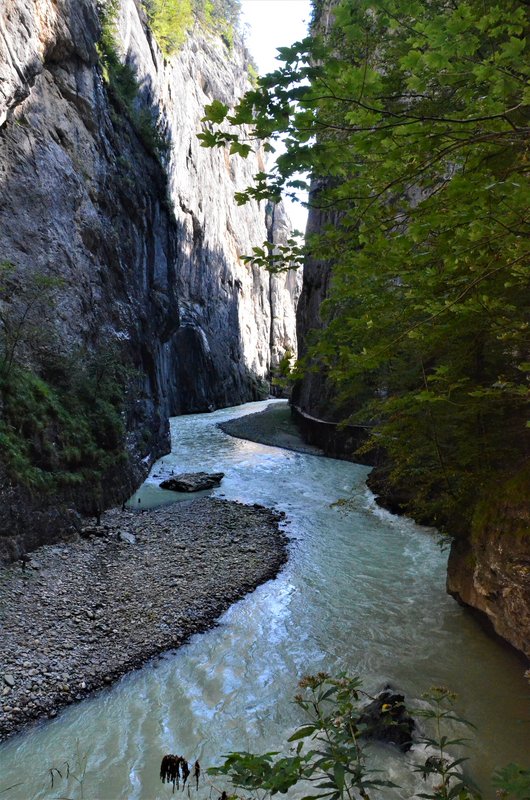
<point x="313" y="395"/>
<point x="148" y="254"/>
<point x="235" y="320"/>
<point x="490" y="570"/>
<point x="83" y="200"/>
<point x="83" y="203"/>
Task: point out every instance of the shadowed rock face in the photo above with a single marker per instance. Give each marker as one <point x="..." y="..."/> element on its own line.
<point x="490" y="571"/>
<point x="148" y="255"/>
<point x="236" y="320"/>
<point x="386" y="719"/>
<point x="83" y="202"/>
<point x="313" y="394"/>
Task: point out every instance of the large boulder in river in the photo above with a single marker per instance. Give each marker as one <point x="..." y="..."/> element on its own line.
<point x="386" y="719"/>
<point x="193" y="481"/>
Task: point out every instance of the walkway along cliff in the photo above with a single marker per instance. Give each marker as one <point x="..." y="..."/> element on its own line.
<point x="123" y="295"/>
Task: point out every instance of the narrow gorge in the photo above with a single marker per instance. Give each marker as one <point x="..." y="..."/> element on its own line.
<point x="235" y="460"/>
<point x="114" y="246"/>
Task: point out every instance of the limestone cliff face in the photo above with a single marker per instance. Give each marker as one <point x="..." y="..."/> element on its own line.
<point x="235" y="320"/>
<point x="83" y="203"/>
<point x="148" y="254"/>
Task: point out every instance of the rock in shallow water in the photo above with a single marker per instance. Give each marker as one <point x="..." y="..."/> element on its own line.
<point x="387" y="720"/>
<point x="193" y="481"/>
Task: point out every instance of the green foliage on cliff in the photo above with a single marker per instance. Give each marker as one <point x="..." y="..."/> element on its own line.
<point x="54" y="435"/>
<point x="121" y="80"/>
<point x="505" y="509"/>
<point x="61" y="424"/>
<point x="220" y="17"/>
<point x="413" y="117"/>
<point x="171" y="20"/>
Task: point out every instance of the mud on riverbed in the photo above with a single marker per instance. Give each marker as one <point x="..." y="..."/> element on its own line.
<point x="85" y="612"/>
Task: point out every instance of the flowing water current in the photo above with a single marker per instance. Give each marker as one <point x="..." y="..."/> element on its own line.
<point x="363" y="592"/>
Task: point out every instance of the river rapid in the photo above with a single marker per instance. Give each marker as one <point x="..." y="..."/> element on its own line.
<point x="363" y="592"/>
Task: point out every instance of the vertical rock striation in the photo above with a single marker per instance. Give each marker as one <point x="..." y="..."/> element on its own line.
<point x="233" y="322"/>
<point x="313" y="395"/>
<point x="147" y="254"/>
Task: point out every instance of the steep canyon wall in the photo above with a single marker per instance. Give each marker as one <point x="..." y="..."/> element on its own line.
<point x="144" y="252"/>
<point x="233" y="318"/>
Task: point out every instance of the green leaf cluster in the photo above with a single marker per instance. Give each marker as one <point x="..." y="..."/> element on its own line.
<point x="411" y="116"/>
<point x="328" y="757"/>
<point x="66" y="429"/>
<point x="62" y="425"/>
<point x="276" y="257"/>
<point x="171" y="20"/>
<point x="512" y="781"/>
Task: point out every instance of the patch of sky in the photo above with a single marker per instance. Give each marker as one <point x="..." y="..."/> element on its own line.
<point x="268" y="25"/>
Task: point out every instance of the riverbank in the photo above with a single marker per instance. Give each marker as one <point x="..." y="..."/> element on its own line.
<point x="498" y="598"/>
<point x="274" y="426"/>
<point x="83" y="613"/>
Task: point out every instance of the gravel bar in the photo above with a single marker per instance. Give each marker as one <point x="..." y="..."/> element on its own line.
<point x="85" y="612"/>
<point x="274" y="426"/>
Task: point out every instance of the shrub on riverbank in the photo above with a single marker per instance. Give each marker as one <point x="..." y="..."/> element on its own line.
<point x="56" y="435"/>
<point x="330" y="752"/>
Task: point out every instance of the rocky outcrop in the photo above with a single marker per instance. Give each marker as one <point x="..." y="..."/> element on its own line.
<point x="386" y="719"/>
<point x="284" y="290"/>
<point x="315" y="406"/>
<point x="146" y="251"/>
<point x="490" y="570"/>
<point x="193" y="481"/>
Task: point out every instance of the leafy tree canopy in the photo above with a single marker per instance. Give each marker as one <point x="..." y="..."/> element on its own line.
<point x="171" y="20"/>
<point x="411" y="116"/>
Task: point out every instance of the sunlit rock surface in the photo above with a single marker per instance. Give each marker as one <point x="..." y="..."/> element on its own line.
<point x="234" y="317"/>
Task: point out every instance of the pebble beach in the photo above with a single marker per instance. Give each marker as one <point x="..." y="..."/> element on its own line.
<point x="84" y="612"/>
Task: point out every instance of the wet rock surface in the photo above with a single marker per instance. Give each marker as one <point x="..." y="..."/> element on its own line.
<point x="83" y="613"/>
<point x="386" y="719"/>
<point x="193" y="481"/>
